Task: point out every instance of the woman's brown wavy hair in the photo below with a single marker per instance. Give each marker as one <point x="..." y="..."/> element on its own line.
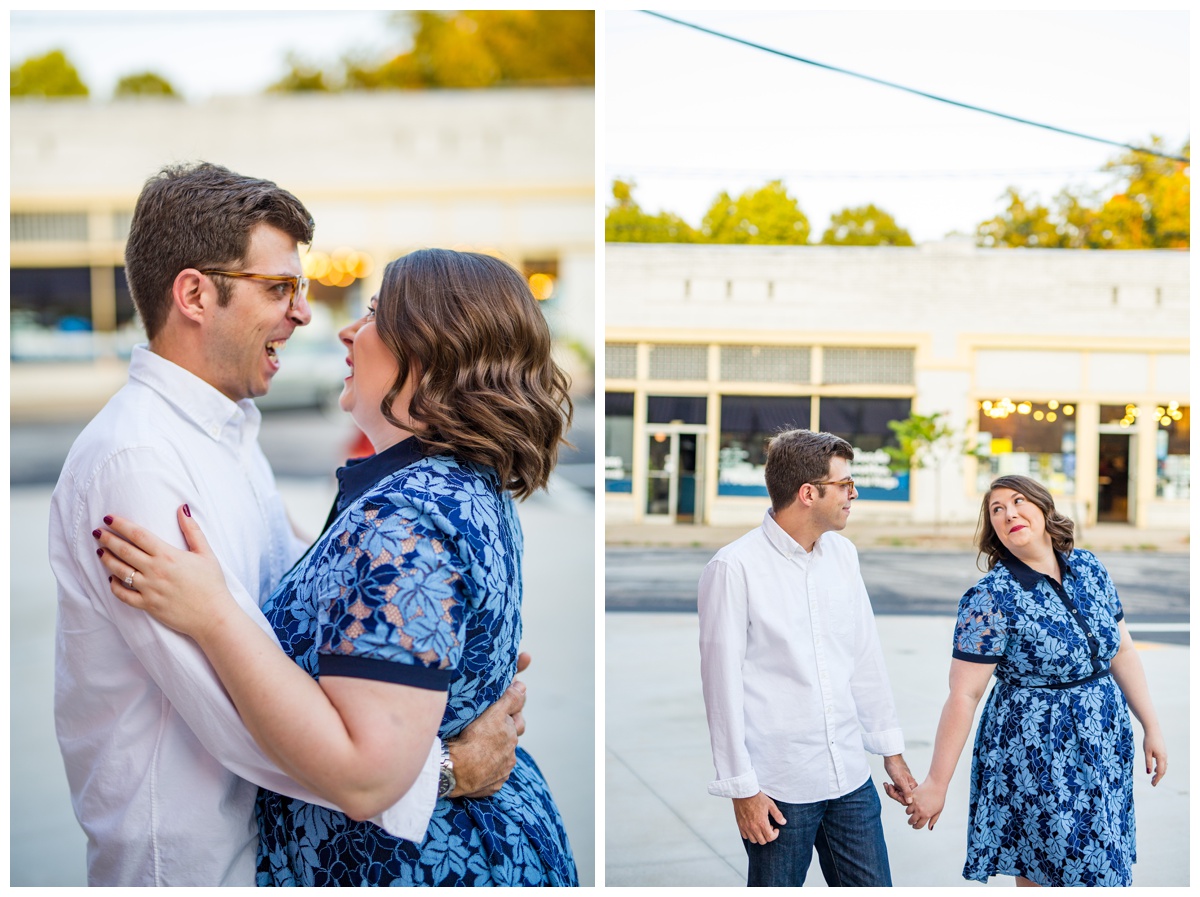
<point x="1060" y="527"/>
<point x="468" y="328"/>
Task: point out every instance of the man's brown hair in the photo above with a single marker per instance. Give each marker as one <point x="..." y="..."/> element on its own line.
<point x="200" y="216"/>
<point x="796" y="457"/>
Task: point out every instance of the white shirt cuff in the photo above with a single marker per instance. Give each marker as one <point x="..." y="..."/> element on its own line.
<point x="409" y="817"/>
<point x="739" y="786"/>
<point x="885" y="743"/>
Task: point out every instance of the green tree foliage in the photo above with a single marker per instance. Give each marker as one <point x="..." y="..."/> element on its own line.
<point x="1023" y="223"/>
<point x="766" y="215"/>
<point x="1150" y="208"/>
<point x="479" y="48"/>
<point x="626" y="222"/>
<point x="866" y="225"/>
<point x="925" y="440"/>
<point x="49" y="75"/>
<point x="301" y="77"/>
<point x="144" y="84"/>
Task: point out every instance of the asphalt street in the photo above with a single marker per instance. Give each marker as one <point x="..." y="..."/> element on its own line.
<point x="1154" y="587"/>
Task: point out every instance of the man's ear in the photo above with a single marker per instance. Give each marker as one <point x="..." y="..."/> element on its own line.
<point x="192" y="294"/>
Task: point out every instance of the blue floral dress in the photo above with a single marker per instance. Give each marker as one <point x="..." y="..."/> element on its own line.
<point x="417" y="581"/>
<point x="1052" y="768"/>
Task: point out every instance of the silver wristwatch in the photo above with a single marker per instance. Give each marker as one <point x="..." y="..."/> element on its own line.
<point x="446" y="780"/>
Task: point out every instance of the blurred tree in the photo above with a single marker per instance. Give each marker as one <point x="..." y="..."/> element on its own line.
<point x="144" y="84"/>
<point x="301" y="77"/>
<point x="1154" y="209"/>
<point x="926" y="440"/>
<point x="766" y="215"/>
<point x="486" y="48"/>
<point x="49" y="75"/>
<point x="866" y="225"/>
<point x="1150" y="208"/>
<point x="626" y="222"/>
<point x="1024" y="223"/>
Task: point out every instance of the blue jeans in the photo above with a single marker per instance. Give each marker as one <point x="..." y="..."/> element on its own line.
<point x="847" y="834"/>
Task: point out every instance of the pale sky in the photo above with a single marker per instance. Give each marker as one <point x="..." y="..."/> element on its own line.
<point x="202" y="54"/>
<point x="688" y="114"/>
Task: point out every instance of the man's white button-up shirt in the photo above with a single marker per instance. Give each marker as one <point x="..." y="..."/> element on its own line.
<point x="794" y="681"/>
<point x="162" y="772"/>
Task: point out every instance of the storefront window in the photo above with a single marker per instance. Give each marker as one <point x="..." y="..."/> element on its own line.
<point x="863" y="422"/>
<point x="51" y="311"/>
<point x="618" y="442"/>
<point x="1174" y="451"/>
<point x="747" y="425"/>
<point x="1033" y="439"/>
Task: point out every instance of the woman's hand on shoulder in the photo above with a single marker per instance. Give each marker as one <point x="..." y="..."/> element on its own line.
<point x="184" y="590"/>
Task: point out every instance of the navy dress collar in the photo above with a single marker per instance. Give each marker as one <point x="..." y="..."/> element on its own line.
<point x="1025" y="575"/>
<point x="360" y="474"/>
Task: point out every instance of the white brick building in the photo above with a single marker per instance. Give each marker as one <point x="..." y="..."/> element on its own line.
<point x="507" y="171"/>
<point x="1070" y="366"/>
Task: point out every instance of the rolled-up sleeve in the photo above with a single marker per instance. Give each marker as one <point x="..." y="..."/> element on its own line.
<point x="869" y="685"/>
<point x="723" y="622"/>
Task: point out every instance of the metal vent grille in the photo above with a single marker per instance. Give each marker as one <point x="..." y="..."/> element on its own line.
<point x="767" y="364"/>
<point x="620" y="361"/>
<point x="122" y="221"/>
<point x="51" y="227"/>
<point x="679" y="362"/>
<point x="882" y="366"/>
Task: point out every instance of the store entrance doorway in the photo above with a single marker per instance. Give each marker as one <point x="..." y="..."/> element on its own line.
<point x="1115" y="494"/>
<point x="675" y="474"/>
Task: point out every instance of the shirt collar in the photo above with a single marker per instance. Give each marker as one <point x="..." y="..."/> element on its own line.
<point x="1025" y="575"/>
<point x="783" y="543"/>
<point x="198" y="401"/>
<point x="360" y="474"/>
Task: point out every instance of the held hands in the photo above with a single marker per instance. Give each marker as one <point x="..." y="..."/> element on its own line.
<point x="903" y="784"/>
<point x="184" y="590"/>
<point x="1155" y="750"/>
<point x="754" y="815"/>
<point x="485" y="753"/>
<point x="927" y="803"/>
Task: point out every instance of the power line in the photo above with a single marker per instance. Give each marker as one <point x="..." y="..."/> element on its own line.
<point x="912" y="90"/>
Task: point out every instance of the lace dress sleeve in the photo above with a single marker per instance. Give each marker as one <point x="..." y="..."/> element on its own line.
<point x="398" y="593"/>
<point x="982" y="630"/>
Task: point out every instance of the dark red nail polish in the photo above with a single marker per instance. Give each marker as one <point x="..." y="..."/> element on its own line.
<point x="108" y="520"/>
<point x="99" y="552"/>
<point x="187" y="511"/>
<point x="110" y="579"/>
<point x="95" y="534"/>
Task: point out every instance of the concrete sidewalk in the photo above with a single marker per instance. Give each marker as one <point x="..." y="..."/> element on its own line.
<point x="46" y="844"/>
<point x="1102" y="537"/>
<point x="663" y="828"/>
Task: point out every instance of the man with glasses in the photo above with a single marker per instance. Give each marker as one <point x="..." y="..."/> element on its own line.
<point x="163" y="775"/>
<point x="794" y="682"/>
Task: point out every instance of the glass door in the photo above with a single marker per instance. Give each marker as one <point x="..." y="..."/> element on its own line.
<point x="662" y="477"/>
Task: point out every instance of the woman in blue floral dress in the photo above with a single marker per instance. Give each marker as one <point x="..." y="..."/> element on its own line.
<point x="1052" y="767"/>
<point x="402" y="621"/>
